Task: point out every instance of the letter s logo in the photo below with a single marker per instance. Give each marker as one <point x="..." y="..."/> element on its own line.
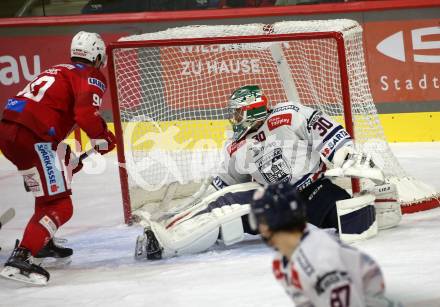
<point x="393" y="46"/>
<point x="419" y="44"/>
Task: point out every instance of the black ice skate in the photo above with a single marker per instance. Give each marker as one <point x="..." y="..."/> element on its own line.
<point x="19" y="267"/>
<point x="147" y="246"/>
<point x="53" y="255"/>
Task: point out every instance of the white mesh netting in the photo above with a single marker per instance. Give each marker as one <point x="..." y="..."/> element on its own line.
<point x="172" y="97"/>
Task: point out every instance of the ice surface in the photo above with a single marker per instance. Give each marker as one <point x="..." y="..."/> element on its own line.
<point x="104" y="273"/>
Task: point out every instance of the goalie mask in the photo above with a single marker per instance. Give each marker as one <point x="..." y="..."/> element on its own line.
<point x="247" y="106"/>
<point x="279" y="206"/>
<point x="89" y="46"/>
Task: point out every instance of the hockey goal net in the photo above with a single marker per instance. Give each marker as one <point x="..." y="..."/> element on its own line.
<point x="170" y="91"/>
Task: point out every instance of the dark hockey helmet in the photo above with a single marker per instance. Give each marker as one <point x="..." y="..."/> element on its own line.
<point x="279" y="206"/>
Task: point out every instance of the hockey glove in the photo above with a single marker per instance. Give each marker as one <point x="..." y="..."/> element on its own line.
<point x="348" y="162"/>
<point x="71" y="161"/>
<point x="104" y="143"/>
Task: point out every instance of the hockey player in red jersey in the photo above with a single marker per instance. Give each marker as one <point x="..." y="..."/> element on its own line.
<point x="34" y="123"/>
<point x="313" y="267"/>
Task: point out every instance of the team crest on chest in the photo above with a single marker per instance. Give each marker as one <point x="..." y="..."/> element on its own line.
<point x="274" y="167"/>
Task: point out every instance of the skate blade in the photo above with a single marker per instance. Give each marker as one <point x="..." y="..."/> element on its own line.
<point x="141" y="248"/>
<point x="52" y="263"/>
<point x="14" y="274"/>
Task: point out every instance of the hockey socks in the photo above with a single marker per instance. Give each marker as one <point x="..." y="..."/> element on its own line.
<point x="44" y="223"/>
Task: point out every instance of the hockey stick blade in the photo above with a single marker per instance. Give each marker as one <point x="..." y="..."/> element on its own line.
<point x="7" y="216"/>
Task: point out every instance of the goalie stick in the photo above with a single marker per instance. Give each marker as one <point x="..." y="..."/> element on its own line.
<point x="7" y="216"/>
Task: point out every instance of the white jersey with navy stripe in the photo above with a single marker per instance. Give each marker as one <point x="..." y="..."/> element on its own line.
<point x="322" y="272"/>
<point x="287" y="147"/>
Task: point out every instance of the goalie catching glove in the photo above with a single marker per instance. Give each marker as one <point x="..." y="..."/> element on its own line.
<point x="348" y="162"/>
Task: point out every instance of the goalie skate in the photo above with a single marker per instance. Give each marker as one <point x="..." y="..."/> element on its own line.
<point x="19" y="267"/>
<point x="147" y="246"/>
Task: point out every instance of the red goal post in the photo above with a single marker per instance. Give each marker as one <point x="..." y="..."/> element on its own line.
<point x="169" y="94"/>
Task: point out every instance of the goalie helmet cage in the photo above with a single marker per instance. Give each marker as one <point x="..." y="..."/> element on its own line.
<point x="170" y="91"/>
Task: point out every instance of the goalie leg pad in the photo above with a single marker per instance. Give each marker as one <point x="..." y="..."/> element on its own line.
<point x="388" y="211"/>
<point x="235" y="194"/>
<point x="200" y="232"/>
<point x="356" y="218"/>
<point x="231" y="226"/>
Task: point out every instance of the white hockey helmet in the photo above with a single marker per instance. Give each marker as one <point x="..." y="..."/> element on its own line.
<point x="247" y="106"/>
<point x="87" y="45"/>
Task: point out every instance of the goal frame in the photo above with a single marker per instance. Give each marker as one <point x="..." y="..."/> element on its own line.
<point x="345" y="91"/>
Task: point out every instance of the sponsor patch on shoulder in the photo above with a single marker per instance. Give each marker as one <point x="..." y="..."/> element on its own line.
<point x="16" y="105"/>
<point x="235" y="146"/>
<point x="96" y="82"/>
<point x="279" y="120"/>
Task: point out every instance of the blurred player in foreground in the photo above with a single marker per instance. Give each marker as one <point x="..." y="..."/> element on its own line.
<point x="314" y="268"/>
<point x="34" y="124"/>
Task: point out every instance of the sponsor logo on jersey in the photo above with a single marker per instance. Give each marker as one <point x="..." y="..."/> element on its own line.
<point x="285" y="108"/>
<point x="15" y="105"/>
<point x="98" y="83"/>
<point x="232" y="148"/>
<point x="304" y="263"/>
<point x="52" y="71"/>
<point x="329" y="279"/>
<point x="336" y="140"/>
<point x="279" y="120"/>
<point x="54" y="178"/>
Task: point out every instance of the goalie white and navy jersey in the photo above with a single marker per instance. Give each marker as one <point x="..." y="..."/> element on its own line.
<point x="286" y="148"/>
<point x="323" y="272"/>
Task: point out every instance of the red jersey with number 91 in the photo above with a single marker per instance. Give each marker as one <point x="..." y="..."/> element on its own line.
<point x="59" y="98"/>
